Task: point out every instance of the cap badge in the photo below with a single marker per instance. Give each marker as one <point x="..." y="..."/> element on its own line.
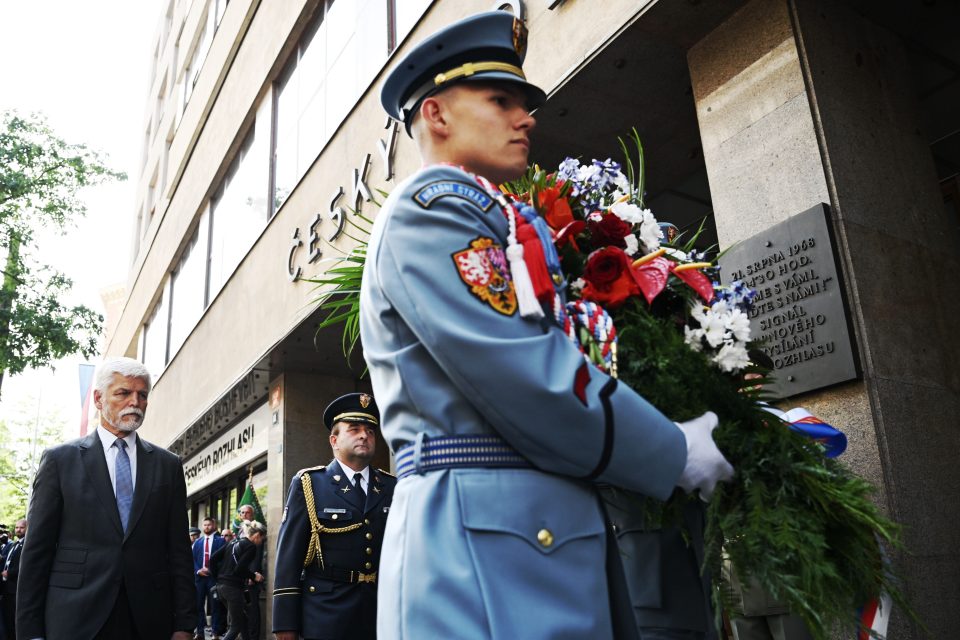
<point x="365" y="400"/>
<point x="519" y="37"/>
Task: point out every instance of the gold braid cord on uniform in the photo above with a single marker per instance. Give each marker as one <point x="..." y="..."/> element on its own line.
<point x="315" y="527"/>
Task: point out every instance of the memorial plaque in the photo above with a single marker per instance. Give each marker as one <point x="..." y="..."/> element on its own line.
<point x="799" y="312"/>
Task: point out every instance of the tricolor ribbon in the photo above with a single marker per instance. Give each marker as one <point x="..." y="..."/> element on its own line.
<point x="874" y="617"/>
<point x="805" y="423"/>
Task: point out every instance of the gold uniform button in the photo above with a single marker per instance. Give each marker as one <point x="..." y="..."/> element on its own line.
<point x="365" y="521"/>
<point x="544" y="537"/>
<point x="369" y="536"/>
<point x="312" y="589"/>
<point x="369" y="565"/>
<point x="369" y="551"/>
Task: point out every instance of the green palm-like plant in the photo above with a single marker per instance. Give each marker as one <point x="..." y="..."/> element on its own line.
<point x="338" y="288"/>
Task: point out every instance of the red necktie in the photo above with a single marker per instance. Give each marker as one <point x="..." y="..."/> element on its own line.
<point x="206" y="552"/>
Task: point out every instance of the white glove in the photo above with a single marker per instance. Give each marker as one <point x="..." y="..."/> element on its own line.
<point x="706" y="466"/>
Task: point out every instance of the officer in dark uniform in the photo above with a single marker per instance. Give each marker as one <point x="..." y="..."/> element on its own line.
<point x="328" y="550"/>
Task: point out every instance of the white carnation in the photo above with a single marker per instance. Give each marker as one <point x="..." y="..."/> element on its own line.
<point x="632" y="244"/>
<point x="739" y="324"/>
<point x="714" y="328"/>
<point x="732" y="357"/>
<point x="628" y="212"/>
<point x="698" y="312"/>
<point x="650" y="233"/>
<point x="692" y="337"/>
<point x="623" y="185"/>
<point x="587" y="172"/>
<point x="678" y="255"/>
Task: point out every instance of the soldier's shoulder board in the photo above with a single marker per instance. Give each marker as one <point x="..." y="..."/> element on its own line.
<point x="386" y="473"/>
<point x="317" y="468"/>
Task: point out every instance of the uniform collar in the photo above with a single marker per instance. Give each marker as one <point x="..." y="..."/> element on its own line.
<point x="350" y="472"/>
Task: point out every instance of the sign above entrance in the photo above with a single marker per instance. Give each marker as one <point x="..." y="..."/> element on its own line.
<point x="799" y="311"/>
<point x="239" y="445"/>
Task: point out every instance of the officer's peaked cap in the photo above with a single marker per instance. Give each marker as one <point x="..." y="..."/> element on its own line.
<point x="353" y="407"/>
<point x="485" y="47"/>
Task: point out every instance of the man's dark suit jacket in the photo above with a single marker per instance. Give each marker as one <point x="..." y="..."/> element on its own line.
<point x="218" y="542"/>
<point x="77" y="555"/>
<point x="9" y="587"/>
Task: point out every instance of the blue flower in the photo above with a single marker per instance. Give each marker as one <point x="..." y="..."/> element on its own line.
<point x="568" y="169"/>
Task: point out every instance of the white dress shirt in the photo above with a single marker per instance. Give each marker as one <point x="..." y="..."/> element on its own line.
<point x="110" y="451"/>
<point x="364" y="480"/>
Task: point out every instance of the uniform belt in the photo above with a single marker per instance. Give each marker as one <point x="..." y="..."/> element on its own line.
<point x="454" y="452"/>
<point x="344" y="575"/>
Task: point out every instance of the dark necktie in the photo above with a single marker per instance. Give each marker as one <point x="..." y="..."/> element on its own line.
<point x="357" y="477"/>
<point x="124" y="482"/>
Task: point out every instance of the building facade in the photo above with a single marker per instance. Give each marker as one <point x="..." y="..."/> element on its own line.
<point x="265" y="142"/>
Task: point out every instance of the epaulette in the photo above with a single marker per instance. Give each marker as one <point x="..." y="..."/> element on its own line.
<point x="317" y="468"/>
<point x="386" y="473"/>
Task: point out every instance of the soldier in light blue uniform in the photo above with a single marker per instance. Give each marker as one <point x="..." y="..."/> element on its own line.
<point x="499" y="426"/>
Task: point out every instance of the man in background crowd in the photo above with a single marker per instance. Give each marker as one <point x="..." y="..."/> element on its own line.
<point x="203" y="549"/>
<point x="246" y="513"/>
<point x="10" y="577"/>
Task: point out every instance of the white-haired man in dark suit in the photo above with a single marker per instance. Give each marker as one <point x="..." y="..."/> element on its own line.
<point x="108" y="554"/>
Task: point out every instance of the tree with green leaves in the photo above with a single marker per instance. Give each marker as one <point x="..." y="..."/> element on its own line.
<point x="41" y="180"/>
<point x="24" y="433"/>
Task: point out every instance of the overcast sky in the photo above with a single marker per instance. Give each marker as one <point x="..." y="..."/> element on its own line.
<point x="85" y="65"/>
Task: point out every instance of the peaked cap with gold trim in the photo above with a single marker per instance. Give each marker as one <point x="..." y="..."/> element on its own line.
<point x="485" y="47"/>
<point x="353" y="407"/>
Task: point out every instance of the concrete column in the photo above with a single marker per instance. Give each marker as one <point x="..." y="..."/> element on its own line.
<point x="801" y="102"/>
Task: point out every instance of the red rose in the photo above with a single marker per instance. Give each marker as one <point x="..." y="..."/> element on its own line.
<point x="609" y="231"/>
<point x="608" y="279"/>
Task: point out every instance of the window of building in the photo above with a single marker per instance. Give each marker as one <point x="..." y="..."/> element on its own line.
<point x="340" y="52"/>
<point x="187" y="287"/>
<point x="238" y="212"/>
<point x="153" y="346"/>
<point x="159" y="103"/>
<point x="217" y="11"/>
<point x="407" y="13"/>
<point x="198" y="54"/>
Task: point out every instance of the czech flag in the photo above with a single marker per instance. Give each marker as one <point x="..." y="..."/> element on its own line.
<point x="874" y="617"/>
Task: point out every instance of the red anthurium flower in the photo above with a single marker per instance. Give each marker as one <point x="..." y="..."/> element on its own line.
<point x="609" y="231"/>
<point x="652" y="277"/>
<point x="609" y="281"/>
<point x="698" y="282"/>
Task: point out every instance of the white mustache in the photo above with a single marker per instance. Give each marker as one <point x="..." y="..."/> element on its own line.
<point x="131" y="411"/>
